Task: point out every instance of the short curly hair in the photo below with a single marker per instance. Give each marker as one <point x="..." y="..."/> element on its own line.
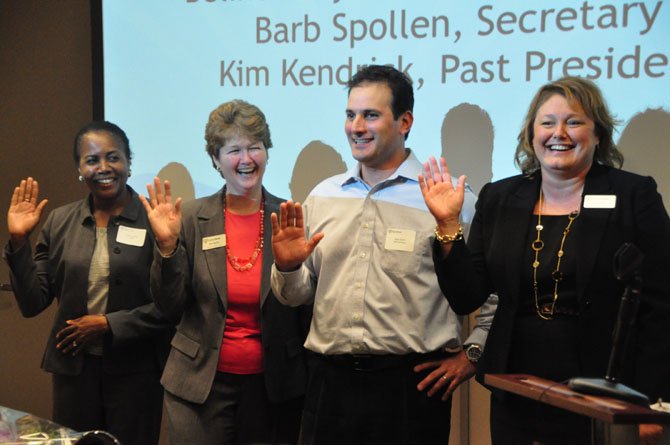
<point x="235" y="118"/>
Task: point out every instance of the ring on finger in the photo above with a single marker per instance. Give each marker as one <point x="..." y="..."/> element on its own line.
<point x="444" y="377"/>
<point x="74" y="343"/>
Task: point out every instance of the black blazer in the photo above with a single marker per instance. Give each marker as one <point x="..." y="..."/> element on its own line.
<point x="190" y="287"/>
<point x="493" y="256"/>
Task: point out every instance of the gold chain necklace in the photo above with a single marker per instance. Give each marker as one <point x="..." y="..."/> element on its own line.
<point x="245" y="264"/>
<point x="546" y="312"/>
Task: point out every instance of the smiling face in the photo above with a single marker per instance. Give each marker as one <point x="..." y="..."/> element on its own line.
<point x="377" y="140"/>
<point x="242" y="164"/>
<point x="564" y="138"/>
<point x="104" y="166"/>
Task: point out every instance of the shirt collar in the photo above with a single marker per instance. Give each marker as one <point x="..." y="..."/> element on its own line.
<point x="131" y="212"/>
<point x="408" y="170"/>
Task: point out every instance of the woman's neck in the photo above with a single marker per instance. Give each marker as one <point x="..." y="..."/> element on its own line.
<point x="244" y="204"/>
<point x="103" y="209"/>
<point x="561" y="196"/>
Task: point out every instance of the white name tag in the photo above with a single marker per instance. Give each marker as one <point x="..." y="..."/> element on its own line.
<point x="599" y="201"/>
<point x="400" y="239"/>
<point x="131" y="236"/>
<point x="214" y="242"/>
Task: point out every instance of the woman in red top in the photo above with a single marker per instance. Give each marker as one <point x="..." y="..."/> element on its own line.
<point x="236" y="372"/>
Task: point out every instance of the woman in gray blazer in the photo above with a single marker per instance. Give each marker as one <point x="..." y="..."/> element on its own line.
<point x="109" y="342"/>
<point x="236" y="373"/>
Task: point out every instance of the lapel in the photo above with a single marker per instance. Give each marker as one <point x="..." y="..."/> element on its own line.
<point x="516" y="217"/>
<point x="271" y="206"/>
<point x="592" y="224"/>
<point x="210" y="221"/>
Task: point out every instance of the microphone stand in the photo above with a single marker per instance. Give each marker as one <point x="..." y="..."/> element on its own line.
<point x="627" y="261"/>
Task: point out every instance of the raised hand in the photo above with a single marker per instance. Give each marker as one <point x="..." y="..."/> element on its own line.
<point x="164" y="217"/>
<point x="442" y="199"/>
<point x="290" y="246"/>
<point x="24" y="212"/>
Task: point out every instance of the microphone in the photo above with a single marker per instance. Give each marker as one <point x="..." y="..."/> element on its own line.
<point x="627" y="261"/>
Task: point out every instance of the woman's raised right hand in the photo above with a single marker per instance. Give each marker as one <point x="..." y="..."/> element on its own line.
<point x="164" y="217"/>
<point x="443" y="199"/>
<point x="24" y="212"/>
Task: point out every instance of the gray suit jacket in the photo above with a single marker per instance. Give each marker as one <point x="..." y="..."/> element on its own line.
<point x="138" y="341"/>
<point x="190" y="287"/>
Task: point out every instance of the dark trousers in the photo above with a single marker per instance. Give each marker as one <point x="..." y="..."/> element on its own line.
<point x="129" y="406"/>
<point x="371" y="402"/>
<point x="237" y="411"/>
<point x="521" y="421"/>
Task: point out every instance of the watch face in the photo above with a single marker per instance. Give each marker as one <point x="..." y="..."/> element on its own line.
<point x="473" y="352"/>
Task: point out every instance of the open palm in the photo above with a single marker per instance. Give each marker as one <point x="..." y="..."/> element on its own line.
<point x="164" y="216"/>
<point x="24" y="211"/>
<point x="444" y="201"/>
<point x="290" y="246"/>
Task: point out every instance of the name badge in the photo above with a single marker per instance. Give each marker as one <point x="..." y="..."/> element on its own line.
<point x="400" y="239"/>
<point x="214" y="241"/>
<point x="131" y="236"/>
<point x="599" y="201"/>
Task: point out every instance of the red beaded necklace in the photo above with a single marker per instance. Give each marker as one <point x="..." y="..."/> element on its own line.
<point x="243" y="265"/>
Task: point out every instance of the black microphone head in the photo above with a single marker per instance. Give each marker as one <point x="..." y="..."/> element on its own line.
<point x="627" y="261"/>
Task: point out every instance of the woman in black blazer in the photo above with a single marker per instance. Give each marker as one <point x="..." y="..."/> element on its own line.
<point x="545" y="242"/>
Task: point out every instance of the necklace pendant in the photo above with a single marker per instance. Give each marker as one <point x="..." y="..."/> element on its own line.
<point x="546" y="311"/>
<point x="539" y="227"/>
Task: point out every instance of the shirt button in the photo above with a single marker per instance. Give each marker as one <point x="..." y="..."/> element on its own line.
<point x="357" y="317"/>
<point x="366" y="225"/>
<point x="362" y="255"/>
<point x="117" y="250"/>
<point x="359" y="285"/>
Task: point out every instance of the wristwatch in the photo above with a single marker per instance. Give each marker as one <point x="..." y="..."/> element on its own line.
<point x="473" y="351"/>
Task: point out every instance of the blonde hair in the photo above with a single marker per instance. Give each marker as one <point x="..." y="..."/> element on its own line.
<point x="586" y="94"/>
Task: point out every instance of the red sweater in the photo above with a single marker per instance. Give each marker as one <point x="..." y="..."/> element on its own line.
<point x="241" y="350"/>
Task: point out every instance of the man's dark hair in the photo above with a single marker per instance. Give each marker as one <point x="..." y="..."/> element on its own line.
<point x="402" y="93"/>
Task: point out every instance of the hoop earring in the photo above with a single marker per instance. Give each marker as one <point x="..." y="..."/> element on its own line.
<point x="81" y="178"/>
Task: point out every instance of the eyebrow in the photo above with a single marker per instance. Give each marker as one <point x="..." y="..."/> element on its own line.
<point x="365" y="110"/>
<point x="253" y="144"/>
<point x="573" y="114"/>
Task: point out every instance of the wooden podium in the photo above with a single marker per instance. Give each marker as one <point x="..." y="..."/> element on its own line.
<point x="614" y="421"/>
